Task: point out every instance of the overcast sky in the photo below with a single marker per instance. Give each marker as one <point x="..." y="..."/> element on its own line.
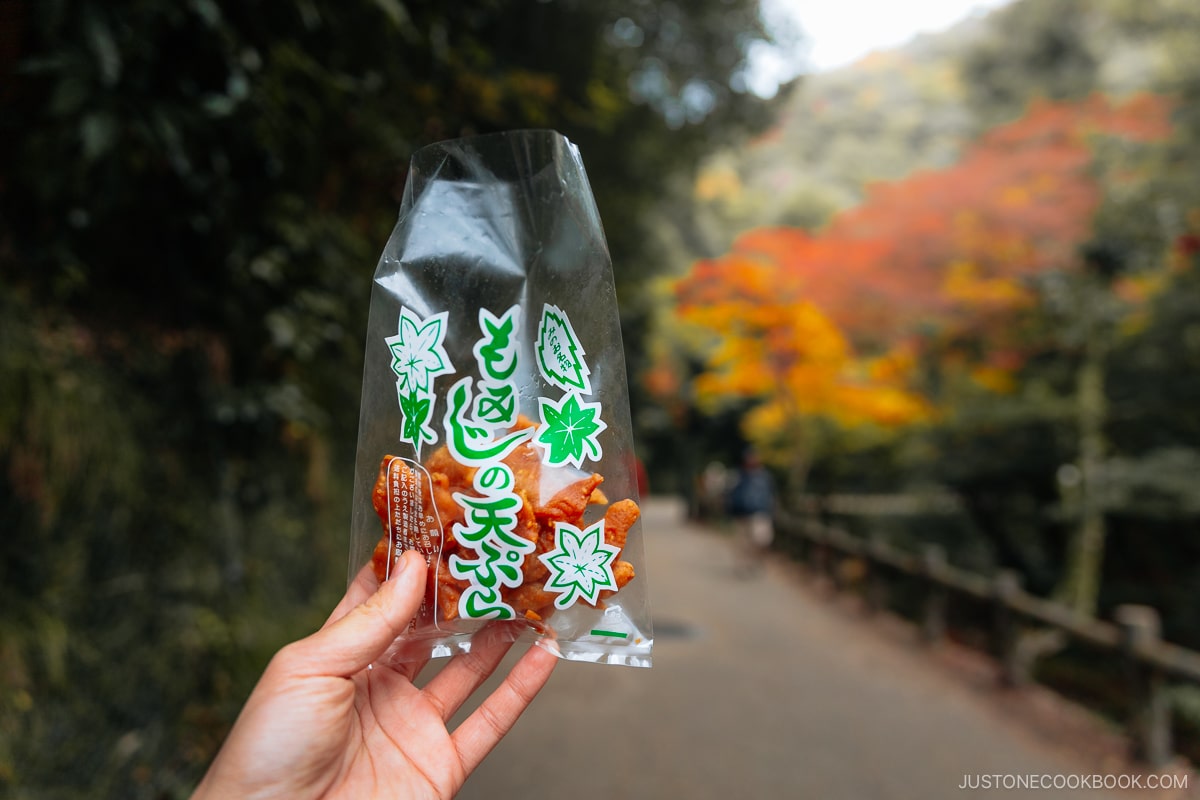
<point x="839" y="32"/>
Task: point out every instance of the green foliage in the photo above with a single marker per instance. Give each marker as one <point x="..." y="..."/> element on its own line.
<point x="194" y="198"/>
<point x="1032" y="49"/>
<point x="836" y="133"/>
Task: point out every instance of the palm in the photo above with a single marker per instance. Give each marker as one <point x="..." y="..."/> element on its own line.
<point x="326" y="722"/>
<point x="408" y="740"/>
<point x="399" y="745"/>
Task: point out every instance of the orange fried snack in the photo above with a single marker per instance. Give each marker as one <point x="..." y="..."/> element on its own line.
<point x="535" y="521"/>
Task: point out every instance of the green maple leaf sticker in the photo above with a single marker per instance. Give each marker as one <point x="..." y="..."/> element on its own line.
<point x="580" y="564"/>
<point x="570" y="430"/>
<point x="559" y="354"/>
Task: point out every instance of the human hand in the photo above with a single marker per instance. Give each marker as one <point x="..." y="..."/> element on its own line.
<point x="323" y="722"/>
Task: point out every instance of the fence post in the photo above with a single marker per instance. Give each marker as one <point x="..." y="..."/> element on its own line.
<point x="819" y="555"/>
<point x="1150" y="710"/>
<point x="802" y="541"/>
<point x="837" y="566"/>
<point x="876" y="588"/>
<point x="1006" y="633"/>
<point x="933" y="619"/>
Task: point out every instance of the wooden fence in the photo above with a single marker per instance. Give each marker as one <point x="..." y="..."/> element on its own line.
<point x="1134" y="636"/>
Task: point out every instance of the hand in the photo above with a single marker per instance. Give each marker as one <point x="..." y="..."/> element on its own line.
<point x="323" y="722"/>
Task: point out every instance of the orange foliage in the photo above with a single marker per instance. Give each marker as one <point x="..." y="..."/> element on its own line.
<point x="788" y="310"/>
<point x="1019" y="202"/>
<point x="768" y="342"/>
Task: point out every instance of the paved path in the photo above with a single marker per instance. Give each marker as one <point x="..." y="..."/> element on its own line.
<point x="761" y="690"/>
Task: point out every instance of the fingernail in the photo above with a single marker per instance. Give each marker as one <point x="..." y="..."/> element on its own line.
<point x="398" y="565"/>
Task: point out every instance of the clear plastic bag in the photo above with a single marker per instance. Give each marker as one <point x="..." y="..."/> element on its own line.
<point x="494" y="434"/>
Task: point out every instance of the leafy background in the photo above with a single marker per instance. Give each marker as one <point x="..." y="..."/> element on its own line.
<point x="966" y="268"/>
<point x="193" y="200"/>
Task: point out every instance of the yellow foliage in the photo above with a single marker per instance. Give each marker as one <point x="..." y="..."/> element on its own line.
<point x="994" y="379"/>
<point x="1016" y="196"/>
<point x="963" y="284"/>
<point x="896" y="366"/>
<point x="1137" y="291"/>
<point x="767" y="422"/>
<point x="718" y="183"/>
<point x="606" y="104"/>
<point x="889" y="406"/>
<point x="762" y="340"/>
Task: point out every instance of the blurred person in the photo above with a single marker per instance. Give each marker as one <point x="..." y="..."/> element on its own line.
<point x="714" y="491"/>
<point x="325" y="721"/>
<point x="751" y="505"/>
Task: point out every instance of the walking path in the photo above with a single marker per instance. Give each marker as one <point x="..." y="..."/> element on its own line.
<point x="763" y="689"/>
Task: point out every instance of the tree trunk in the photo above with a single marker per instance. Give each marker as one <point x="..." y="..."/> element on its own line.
<point x="1080" y="589"/>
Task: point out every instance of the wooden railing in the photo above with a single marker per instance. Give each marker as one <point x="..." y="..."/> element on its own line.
<point x="1134" y="635"/>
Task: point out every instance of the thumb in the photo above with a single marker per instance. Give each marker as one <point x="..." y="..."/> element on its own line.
<point x="348" y="645"/>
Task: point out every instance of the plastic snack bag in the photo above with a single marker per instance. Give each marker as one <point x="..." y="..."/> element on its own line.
<point x="494" y="434"/>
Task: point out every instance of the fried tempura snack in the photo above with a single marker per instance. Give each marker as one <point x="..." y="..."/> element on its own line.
<point x="537" y="518"/>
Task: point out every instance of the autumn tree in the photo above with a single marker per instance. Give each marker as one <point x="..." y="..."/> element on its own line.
<point x="762" y="340"/>
<point x="936" y="268"/>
